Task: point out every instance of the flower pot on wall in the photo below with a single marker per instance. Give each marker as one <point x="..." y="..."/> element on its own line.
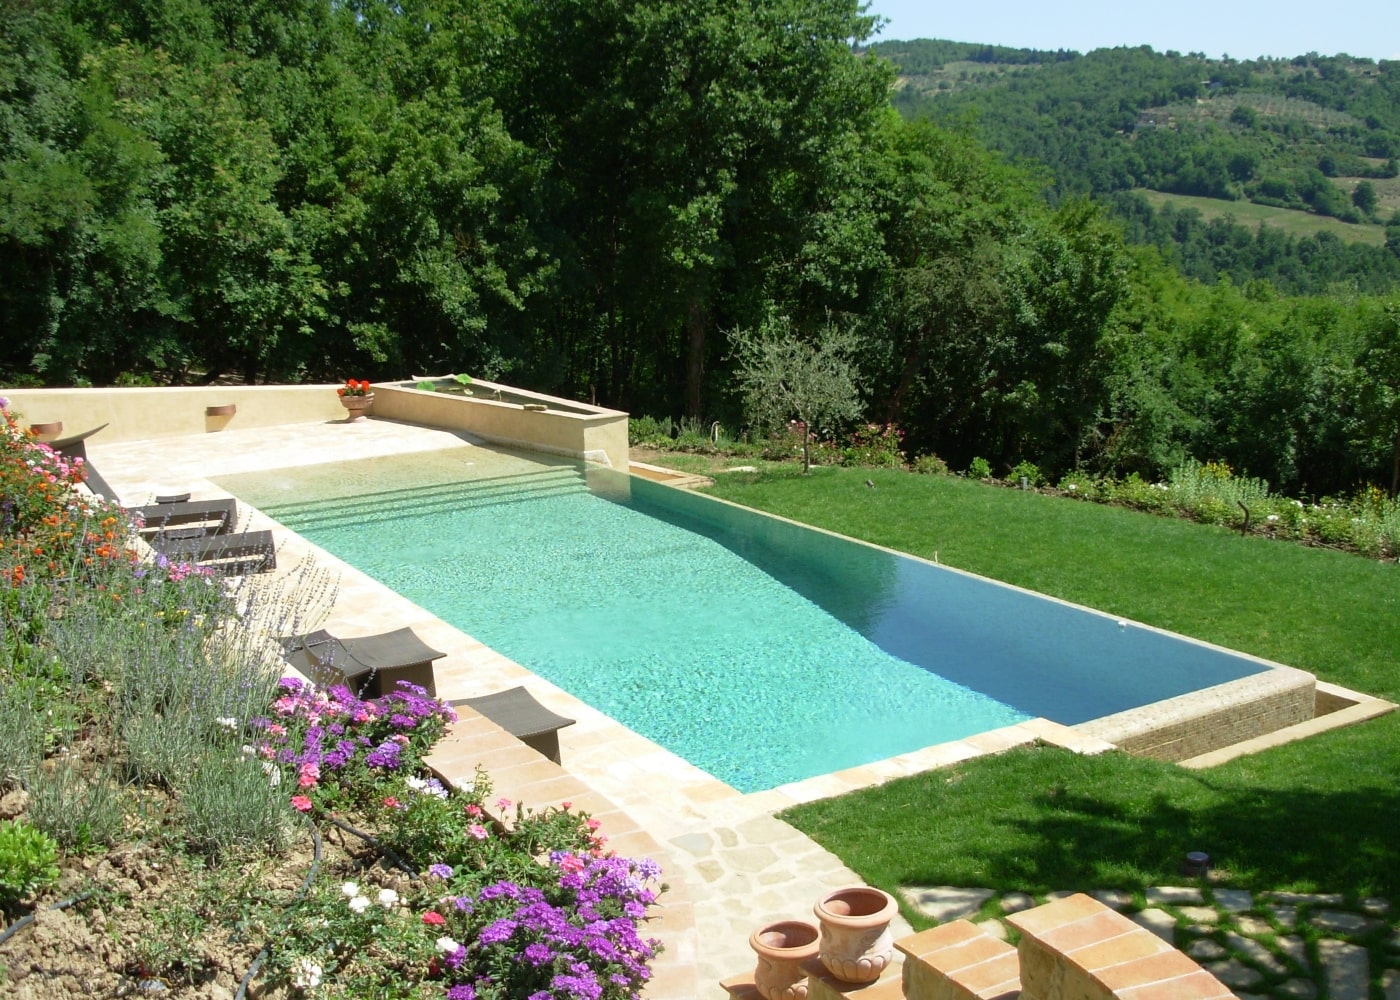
<point x="856" y="943"/>
<point x="783" y="950"/>
<point x="356" y="406"/>
<point x="47" y="431"/>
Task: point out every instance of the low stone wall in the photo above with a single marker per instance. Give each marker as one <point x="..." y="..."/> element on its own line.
<point x="1220" y="716"/>
<point x="141" y="414"/>
<point x="598" y="435"/>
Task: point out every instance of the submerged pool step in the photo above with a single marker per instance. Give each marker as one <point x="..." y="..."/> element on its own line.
<point x="381" y="505"/>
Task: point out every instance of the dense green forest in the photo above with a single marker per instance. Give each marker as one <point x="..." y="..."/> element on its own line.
<point x="1315" y="134"/>
<point x="591" y="197"/>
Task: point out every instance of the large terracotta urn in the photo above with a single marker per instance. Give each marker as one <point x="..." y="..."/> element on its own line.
<point x="856" y="943"/>
<point x="784" y="949"/>
<point x="356" y="406"/>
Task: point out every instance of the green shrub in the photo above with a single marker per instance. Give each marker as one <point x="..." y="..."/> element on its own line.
<point x="979" y="468"/>
<point x="1028" y="471"/>
<point x="874" y="446"/>
<point x="82" y="814"/>
<point x="28" y="862"/>
<point x="930" y="465"/>
<point x="649" y="432"/>
<point x="229" y="803"/>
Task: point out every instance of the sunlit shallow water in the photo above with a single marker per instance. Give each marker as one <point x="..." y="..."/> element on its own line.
<point x="761" y="651"/>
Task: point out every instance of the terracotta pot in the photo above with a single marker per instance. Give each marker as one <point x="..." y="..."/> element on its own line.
<point x="783" y="950"/>
<point x="856" y="942"/>
<point x="221" y="410"/>
<point x="356" y="405"/>
<point x="47" y="431"/>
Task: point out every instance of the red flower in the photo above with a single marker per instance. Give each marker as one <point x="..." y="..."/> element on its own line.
<point x="301" y="803"/>
<point x="434" y="919"/>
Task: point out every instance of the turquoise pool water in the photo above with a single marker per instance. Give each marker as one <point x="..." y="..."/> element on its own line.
<point x="761" y="651"/>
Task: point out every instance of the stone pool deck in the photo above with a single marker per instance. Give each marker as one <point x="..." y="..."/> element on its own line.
<point x="730" y="864"/>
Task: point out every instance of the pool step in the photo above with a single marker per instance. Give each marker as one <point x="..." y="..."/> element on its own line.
<point x="367" y="508"/>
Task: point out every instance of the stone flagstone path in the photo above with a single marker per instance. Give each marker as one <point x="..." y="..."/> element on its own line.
<point x="1276" y="945"/>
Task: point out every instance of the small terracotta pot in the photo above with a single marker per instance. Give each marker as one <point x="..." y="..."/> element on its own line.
<point x="783" y="949"/>
<point x="856" y="943"/>
<point x="222" y="410"/>
<point x="47" y="431"/>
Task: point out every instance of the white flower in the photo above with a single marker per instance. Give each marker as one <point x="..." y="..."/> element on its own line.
<point x="447" y="946"/>
<point x="228" y="722"/>
<point x="1273" y="517"/>
<point x="417" y="784"/>
<point x="388" y="898"/>
<point x="350" y="889"/>
<point x="359" y="904"/>
<point x="307" y="974"/>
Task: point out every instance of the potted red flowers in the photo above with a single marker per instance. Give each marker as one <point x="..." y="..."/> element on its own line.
<point x="356" y="396"/>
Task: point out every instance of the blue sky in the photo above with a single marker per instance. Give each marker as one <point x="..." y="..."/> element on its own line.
<point x="1244" y="29"/>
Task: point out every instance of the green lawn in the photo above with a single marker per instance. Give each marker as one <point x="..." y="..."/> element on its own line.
<point x="1293" y="222"/>
<point x="1319" y="814"/>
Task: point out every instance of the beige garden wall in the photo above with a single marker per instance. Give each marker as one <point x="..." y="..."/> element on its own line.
<point x="590" y="433"/>
<point x="143" y="413"/>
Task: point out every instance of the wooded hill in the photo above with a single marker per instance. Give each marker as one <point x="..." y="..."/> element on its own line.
<point x="590" y="197"/>
<point x="1313" y="134"/>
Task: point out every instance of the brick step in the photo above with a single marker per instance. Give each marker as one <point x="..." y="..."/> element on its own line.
<point x="1072" y="949"/>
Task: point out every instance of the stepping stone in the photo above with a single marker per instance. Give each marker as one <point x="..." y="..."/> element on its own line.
<point x="1173" y="895"/>
<point x="1058" y="894"/>
<point x="945" y="902"/>
<point x="1393" y="942"/>
<point x="1235" y="974"/>
<point x="1375" y="906"/>
<point x="1200" y="914"/>
<point x="1296" y="949"/>
<point x="1232" y="900"/>
<point x="1256" y="953"/>
<point x="1114" y="899"/>
<point x="1343" y="922"/>
<point x="1307" y="898"/>
<point x="1205" y="950"/>
<point x="1015" y="902"/>
<point x="1287" y="916"/>
<point x="993" y="927"/>
<point x="1297" y="989"/>
<point x="1159" y="922"/>
<point x="1254" y="926"/>
<point x="1347" y="968"/>
<point x="1390" y="984"/>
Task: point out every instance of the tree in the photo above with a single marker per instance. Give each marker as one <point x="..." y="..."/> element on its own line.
<point x="1364" y="198"/>
<point x="783" y="376"/>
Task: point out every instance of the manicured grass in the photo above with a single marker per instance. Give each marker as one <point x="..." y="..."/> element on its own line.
<point x="1318" y="814"/>
<point x="1293" y="222"/>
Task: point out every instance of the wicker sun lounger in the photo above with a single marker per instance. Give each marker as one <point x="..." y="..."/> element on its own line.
<point x="188" y="518"/>
<point x="231" y="555"/>
<point x="517" y="712"/>
<point x="369" y="665"/>
<point x="75" y="446"/>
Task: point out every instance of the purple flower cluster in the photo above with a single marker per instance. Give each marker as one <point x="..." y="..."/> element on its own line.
<point x="575" y="940"/>
<point x="328" y="732"/>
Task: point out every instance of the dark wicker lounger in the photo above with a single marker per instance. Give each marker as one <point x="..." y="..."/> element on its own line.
<point x="189" y="518"/>
<point x="75" y="446"/>
<point x="517" y="712"/>
<point x="369" y="665"/>
<point x="245" y="552"/>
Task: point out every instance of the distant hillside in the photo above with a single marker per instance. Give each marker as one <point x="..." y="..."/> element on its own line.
<point x="1314" y="134"/>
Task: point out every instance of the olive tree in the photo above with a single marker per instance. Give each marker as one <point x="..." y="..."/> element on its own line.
<point x="784" y="376"/>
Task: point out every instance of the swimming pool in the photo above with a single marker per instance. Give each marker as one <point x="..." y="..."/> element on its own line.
<point x="761" y="651"/>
